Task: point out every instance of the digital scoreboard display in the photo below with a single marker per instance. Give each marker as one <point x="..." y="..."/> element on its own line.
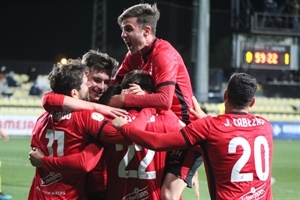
<point x="263" y="55"/>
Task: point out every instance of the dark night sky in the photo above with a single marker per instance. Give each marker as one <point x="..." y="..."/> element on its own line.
<point x="45" y="30"/>
<point x="48" y="29"/>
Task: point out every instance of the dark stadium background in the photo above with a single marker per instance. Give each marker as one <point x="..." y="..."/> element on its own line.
<point x="46" y="30"/>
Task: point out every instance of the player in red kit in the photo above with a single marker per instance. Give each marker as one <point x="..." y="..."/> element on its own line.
<point x="62" y="133"/>
<point x="100" y="67"/>
<point x="237" y="146"/>
<point x="172" y="83"/>
<point x="137" y="170"/>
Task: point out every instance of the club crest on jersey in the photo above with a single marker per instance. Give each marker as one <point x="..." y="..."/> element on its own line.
<point x="97" y="116"/>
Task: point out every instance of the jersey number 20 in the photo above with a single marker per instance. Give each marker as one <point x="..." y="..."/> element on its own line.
<point x="259" y="142"/>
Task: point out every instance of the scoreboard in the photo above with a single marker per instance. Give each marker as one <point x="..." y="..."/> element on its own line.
<point x="258" y="55"/>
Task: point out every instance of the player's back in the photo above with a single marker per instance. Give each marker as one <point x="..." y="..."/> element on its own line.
<point x="62" y="133"/>
<point x="237" y="154"/>
<point x="137" y="170"/>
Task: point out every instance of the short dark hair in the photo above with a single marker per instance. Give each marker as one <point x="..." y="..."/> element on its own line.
<point x="139" y="77"/>
<point x="241" y="90"/>
<point x="146" y="14"/>
<point x="65" y="77"/>
<point x="101" y="62"/>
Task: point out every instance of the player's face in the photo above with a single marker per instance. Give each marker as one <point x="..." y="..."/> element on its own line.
<point x="84" y="89"/>
<point x="133" y="35"/>
<point x="99" y="82"/>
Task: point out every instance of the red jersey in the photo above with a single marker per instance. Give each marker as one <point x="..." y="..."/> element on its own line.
<point x="52" y="101"/>
<point x="135" y="172"/>
<point x="96" y="178"/>
<point x="59" y="134"/>
<point x="138" y="171"/>
<point x="237" y="152"/>
<point x="170" y="76"/>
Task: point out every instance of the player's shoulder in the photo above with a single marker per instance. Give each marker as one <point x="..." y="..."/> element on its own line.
<point x="163" y="44"/>
<point x="89" y="114"/>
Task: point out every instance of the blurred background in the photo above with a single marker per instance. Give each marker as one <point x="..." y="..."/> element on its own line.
<point x="214" y="37"/>
<point x="40" y="33"/>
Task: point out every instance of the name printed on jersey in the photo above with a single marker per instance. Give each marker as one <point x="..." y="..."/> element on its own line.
<point x="244" y="122"/>
<point x="61" y="115"/>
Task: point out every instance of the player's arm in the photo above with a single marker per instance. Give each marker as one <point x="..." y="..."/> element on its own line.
<point x="109" y="134"/>
<point x="84" y="161"/>
<point x="52" y="101"/>
<point x="151" y="140"/>
<point x="161" y="99"/>
<point x="164" y="78"/>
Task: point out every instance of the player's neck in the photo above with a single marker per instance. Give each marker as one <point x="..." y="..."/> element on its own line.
<point x="236" y="111"/>
<point x="147" y="48"/>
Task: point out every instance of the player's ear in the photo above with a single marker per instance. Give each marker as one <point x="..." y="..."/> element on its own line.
<point x="225" y="95"/>
<point x="147" y="30"/>
<point x="74" y="93"/>
<point x="252" y="102"/>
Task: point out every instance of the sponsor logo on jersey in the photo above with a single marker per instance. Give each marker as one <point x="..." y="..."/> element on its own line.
<point x="254" y="193"/>
<point x="51" y="178"/>
<point x="137" y="194"/>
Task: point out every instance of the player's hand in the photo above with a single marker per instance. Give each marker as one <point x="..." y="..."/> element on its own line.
<point x="5" y="137"/>
<point x="36" y="157"/>
<point x="111" y="111"/>
<point x="118" y="122"/>
<point x="135" y="89"/>
<point x="117" y="101"/>
<point x="197" y="111"/>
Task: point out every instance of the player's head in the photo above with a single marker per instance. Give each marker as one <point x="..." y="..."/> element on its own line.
<point x="101" y="67"/>
<point x="139" y="77"/>
<point x="70" y="79"/>
<point x="241" y="90"/>
<point x="138" y="24"/>
<point x="145" y="14"/>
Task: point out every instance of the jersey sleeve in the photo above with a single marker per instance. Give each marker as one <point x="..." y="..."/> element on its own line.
<point x="198" y="130"/>
<point x="164" y="75"/>
<point x="52" y="101"/>
<point x="161" y="99"/>
<point x="84" y="161"/>
<point x="109" y="134"/>
<point x="100" y="128"/>
<point x="153" y="140"/>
